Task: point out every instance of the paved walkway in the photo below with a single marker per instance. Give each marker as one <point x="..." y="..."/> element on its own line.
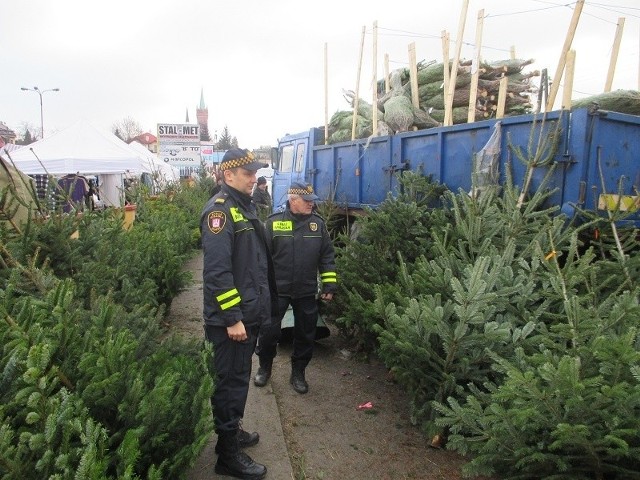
<point x="261" y="414"/>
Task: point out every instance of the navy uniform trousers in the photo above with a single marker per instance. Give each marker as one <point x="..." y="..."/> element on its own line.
<point x="305" y="313"/>
<point x="233" y="361"/>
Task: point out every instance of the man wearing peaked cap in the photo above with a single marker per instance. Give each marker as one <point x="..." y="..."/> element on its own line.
<point x="239" y="295"/>
<point x="302" y="190"/>
<point x="301" y="249"/>
<point x="238" y="157"/>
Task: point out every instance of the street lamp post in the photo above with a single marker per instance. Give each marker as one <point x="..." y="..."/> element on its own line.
<point x="40" y="93"/>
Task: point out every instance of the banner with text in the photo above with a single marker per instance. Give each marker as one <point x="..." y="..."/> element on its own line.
<point x="179" y="145"/>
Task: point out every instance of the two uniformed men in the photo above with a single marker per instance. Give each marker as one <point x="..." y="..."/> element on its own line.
<point x="241" y="298"/>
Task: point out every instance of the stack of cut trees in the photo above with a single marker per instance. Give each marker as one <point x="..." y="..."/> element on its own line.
<point x="396" y="112"/>
<point x="622" y="101"/>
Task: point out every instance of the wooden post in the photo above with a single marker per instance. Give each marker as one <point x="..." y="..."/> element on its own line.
<point x="568" y="80"/>
<point x="448" y="112"/>
<point x="357" y="97"/>
<point x="445" y="60"/>
<point x="512" y="52"/>
<point x="614" y="54"/>
<point x="387" y="85"/>
<point x="543" y="91"/>
<point x="502" y="96"/>
<point x="413" y="75"/>
<point x="555" y="85"/>
<point x="374" y="103"/>
<point x="326" y="96"/>
<point x="475" y="69"/>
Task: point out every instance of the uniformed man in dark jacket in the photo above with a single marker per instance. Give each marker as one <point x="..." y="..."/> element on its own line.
<point x="238" y="288"/>
<point x="302" y="249"/>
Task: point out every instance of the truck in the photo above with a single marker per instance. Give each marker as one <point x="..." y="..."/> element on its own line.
<point x="596" y="159"/>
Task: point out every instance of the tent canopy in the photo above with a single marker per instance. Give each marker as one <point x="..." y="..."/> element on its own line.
<point x="152" y="165"/>
<point x="81" y="148"/>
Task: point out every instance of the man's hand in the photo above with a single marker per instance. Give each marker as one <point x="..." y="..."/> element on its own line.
<point x="326" y="296"/>
<point x="237" y="332"/>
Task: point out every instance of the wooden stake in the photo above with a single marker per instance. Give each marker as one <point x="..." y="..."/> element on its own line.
<point x="326" y="96"/>
<point x="568" y="80"/>
<point x="355" y="100"/>
<point x="445" y="60"/>
<point x="448" y="117"/>
<point x="475" y="70"/>
<point x="555" y="85"/>
<point x="387" y="84"/>
<point x="543" y="91"/>
<point x="513" y="52"/>
<point x="502" y="96"/>
<point x="614" y="55"/>
<point x="413" y="75"/>
<point x="374" y="103"/>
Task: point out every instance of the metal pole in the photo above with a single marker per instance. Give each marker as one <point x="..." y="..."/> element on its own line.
<point x="41" y="113"/>
<point x="40" y="92"/>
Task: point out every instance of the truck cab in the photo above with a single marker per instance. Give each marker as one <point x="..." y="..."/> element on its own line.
<point x="291" y="161"/>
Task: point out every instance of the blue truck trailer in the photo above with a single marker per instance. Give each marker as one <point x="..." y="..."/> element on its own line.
<point x="596" y="158"/>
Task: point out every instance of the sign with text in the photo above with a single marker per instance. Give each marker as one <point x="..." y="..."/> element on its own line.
<point x="180" y="155"/>
<point x="179" y="145"/>
<point x="179" y="132"/>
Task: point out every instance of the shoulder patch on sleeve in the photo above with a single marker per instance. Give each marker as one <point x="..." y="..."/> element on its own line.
<point x="216" y="221"/>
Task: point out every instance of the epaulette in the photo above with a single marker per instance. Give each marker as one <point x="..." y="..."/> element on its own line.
<point x="279" y="211"/>
<point x="220" y="200"/>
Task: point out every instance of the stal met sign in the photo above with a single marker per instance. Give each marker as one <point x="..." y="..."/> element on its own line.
<point x="178" y="130"/>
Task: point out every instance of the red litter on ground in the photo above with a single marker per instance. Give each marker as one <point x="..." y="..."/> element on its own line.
<point x="365" y="406"/>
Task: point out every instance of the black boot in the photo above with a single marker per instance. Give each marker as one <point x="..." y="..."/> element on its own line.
<point x="245" y="440"/>
<point x="234" y="462"/>
<point x="298" y="382"/>
<point x="264" y="372"/>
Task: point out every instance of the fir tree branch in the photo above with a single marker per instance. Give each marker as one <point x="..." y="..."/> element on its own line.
<point x="63" y="378"/>
<point x="614" y="228"/>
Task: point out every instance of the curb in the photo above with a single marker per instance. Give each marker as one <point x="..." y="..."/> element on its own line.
<point x="261" y="415"/>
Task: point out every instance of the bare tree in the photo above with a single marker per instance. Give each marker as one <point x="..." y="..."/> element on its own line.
<point x="127" y="129"/>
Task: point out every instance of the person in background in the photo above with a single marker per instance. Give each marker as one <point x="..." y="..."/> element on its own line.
<point x="262" y="198"/>
<point x="239" y="295"/>
<point x="301" y="248"/>
<point x="217" y="176"/>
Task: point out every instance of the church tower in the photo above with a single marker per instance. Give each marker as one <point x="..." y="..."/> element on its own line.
<point x="202" y="114"/>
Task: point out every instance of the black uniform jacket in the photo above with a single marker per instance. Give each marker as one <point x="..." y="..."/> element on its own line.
<point x="301" y="248"/>
<point x="238" y="280"/>
<point x="262" y="198"/>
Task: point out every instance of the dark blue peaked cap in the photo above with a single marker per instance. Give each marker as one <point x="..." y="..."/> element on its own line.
<point x="305" y="191"/>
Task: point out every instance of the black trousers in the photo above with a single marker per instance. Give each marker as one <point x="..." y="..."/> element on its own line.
<point x="305" y="314"/>
<point x="232" y="362"/>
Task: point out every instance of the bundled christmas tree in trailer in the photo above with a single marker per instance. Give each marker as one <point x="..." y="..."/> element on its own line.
<point x="396" y="112"/>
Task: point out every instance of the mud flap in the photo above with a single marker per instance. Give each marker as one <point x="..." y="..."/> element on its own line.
<point x="322" y="331"/>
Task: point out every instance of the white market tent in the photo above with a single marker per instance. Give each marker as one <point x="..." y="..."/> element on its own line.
<point x="86" y="150"/>
<point x="161" y="172"/>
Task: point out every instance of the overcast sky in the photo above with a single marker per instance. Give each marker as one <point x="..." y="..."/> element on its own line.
<point x="261" y="63"/>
